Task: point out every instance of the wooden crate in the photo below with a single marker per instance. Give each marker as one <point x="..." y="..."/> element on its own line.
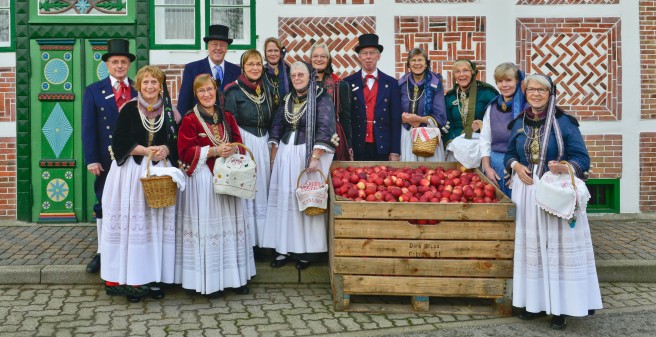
<point x="374" y="250"/>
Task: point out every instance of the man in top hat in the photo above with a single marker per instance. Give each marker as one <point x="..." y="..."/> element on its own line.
<point x="223" y="71"/>
<point x="376" y="106"/>
<point x="101" y="103"/>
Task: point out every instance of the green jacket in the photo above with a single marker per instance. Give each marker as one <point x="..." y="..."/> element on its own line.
<point x="486" y="93"/>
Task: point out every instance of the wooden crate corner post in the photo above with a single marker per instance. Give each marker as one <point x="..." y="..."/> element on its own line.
<point x="503" y="305"/>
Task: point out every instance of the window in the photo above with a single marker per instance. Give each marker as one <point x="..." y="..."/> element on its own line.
<point x="5" y="24"/>
<point x="604" y="195"/>
<point x="180" y="24"/>
<point x="239" y="16"/>
<point x="175" y="24"/>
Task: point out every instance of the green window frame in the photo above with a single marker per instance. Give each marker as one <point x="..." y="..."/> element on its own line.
<point x="158" y="24"/>
<point x="7" y="31"/>
<point x="241" y="13"/>
<point x="604" y="195"/>
<point x="242" y="27"/>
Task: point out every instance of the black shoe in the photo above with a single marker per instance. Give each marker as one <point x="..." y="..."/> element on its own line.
<point x="123" y="290"/>
<point x="133" y="299"/>
<point x="94" y="265"/>
<point x="243" y="290"/>
<point x="279" y="263"/>
<point x="558" y="322"/>
<point x="300" y="265"/>
<point x="190" y="292"/>
<point x="157" y="294"/>
<point x="526" y="315"/>
<point x="215" y="295"/>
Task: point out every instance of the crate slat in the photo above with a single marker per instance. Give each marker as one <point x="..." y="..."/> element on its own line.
<point x="423" y="210"/>
<point x="424" y="248"/>
<point x="424" y="286"/>
<point x="423" y="267"/>
<point x="445" y="230"/>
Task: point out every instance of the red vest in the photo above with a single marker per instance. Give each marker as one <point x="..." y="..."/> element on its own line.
<point x="370" y="106"/>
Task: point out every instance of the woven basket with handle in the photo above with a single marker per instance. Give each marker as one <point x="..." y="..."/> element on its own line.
<point x="160" y="192"/>
<point x="313" y="210"/>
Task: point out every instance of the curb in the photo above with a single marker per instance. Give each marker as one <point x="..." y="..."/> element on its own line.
<point x="76" y="274"/>
<point x="633" y="271"/>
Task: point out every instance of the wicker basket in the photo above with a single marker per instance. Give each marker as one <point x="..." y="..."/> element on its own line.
<point x="160" y="192"/>
<point x="311" y="211"/>
<point x="427" y="148"/>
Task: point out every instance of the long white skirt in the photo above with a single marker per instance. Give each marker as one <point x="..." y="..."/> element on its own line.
<point x="406" y="149"/>
<point x="288" y="229"/>
<point x="214" y="249"/>
<point x="554" y="266"/>
<point x="138" y="242"/>
<point x="255" y="210"/>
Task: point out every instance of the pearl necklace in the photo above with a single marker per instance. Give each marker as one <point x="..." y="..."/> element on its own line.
<point x="210" y="134"/>
<point x="294" y="116"/>
<point x="151" y="125"/>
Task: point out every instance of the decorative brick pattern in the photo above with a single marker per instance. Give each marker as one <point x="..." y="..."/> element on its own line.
<point x="606" y="155"/>
<point x="648" y="172"/>
<point x="567" y="2"/>
<point x="7" y="94"/>
<point x="444" y="38"/>
<point x="327" y="2"/>
<point x="173" y="74"/>
<point x="582" y="56"/>
<point x="434" y="1"/>
<point x="339" y="33"/>
<point x="648" y="58"/>
<point x="8" y="178"/>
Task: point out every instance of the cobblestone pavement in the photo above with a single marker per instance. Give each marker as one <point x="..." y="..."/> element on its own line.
<point x="269" y="310"/>
<point x="75" y="244"/>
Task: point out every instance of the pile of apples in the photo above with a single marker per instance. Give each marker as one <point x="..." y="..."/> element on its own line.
<point x="422" y="184"/>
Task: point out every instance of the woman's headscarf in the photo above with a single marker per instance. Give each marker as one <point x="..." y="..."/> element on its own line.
<point x="550" y="122"/>
<point x="311" y="109"/>
<point x="471" y="98"/>
<point x="518" y="98"/>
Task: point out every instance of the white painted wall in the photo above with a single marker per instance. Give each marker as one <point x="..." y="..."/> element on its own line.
<point x="500" y="31"/>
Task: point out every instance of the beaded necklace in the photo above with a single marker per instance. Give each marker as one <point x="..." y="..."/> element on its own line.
<point x="534" y="140"/>
<point x="292" y="117"/>
<point x="211" y="134"/>
<point x="152" y="125"/>
<point x="416" y="95"/>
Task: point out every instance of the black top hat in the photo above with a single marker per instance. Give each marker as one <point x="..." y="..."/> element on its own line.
<point x="218" y="32"/>
<point x="118" y="47"/>
<point x="368" y="40"/>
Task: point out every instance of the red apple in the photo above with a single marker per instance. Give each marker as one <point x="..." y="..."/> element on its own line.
<point x="361" y="185"/>
<point x="354" y="179"/>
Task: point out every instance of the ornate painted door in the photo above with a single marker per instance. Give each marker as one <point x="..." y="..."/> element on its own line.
<point x="62" y="189"/>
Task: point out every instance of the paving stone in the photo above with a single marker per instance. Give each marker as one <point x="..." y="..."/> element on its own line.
<point x="58" y="318"/>
<point x="252" y="321"/>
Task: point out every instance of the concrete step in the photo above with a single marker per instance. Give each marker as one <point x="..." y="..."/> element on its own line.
<point x="608" y="271"/>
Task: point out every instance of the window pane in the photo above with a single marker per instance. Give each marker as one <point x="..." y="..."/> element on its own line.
<point x="173" y="2"/>
<point x="238" y="19"/>
<point x="4" y="28"/>
<point x="229" y="2"/>
<point x="174" y="25"/>
<point x="4" y="3"/>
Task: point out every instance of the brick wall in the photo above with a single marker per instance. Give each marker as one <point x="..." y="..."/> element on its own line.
<point x="582" y="56"/>
<point x="648" y="172"/>
<point x="7" y="94"/>
<point x="444" y="38"/>
<point x="8" y="177"/>
<point x="173" y="74"/>
<point x="648" y="58"/>
<point x="339" y="33"/>
<point x="606" y="155"/>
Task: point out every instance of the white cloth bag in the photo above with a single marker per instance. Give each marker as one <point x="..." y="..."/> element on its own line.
<point x="236" y="175"/>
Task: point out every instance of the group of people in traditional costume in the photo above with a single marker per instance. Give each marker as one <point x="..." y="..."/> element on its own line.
<point x="296" y="119"/>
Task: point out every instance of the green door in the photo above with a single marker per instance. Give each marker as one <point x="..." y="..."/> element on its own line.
<point x="62" y="189"/>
